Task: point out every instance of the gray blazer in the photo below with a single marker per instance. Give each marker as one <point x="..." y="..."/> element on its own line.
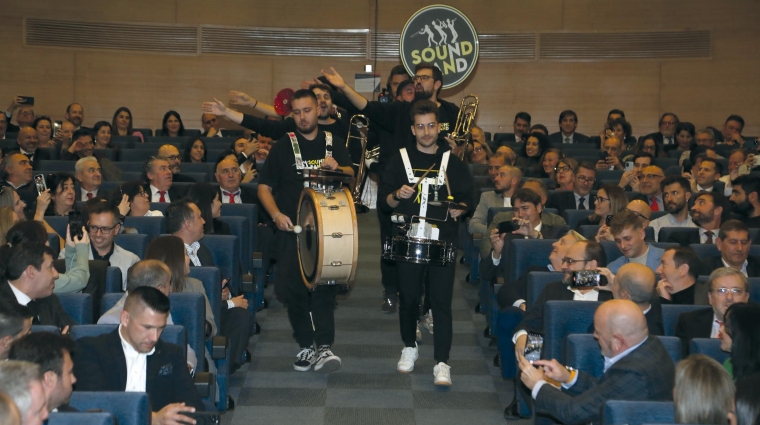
<point x="478" y="222"/>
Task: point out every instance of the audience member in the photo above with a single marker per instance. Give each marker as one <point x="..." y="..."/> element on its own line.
<point x="75" y="115"/>
<point x="15" y="323"/>
<point x="8" y="219"/>
<point x="495" y="162"/>
<point x="207" y="197"/>
<point x="668" y="124"/>
<point x="685" y="136"/>
<point x="650" y="188"/>
<point x="4" y="120"/>
<point x="747" y="409"/>
<point x="64" y="135"/>
<point x="703" y="392"/>
<point x="62" y="196"/>
<point x="195" y="151"/>
<point x="534" y="146"/>
<point x="636" y="366"/>
<point x="44" y="128"/>
<point x="210" y="125"/>
<point x="568" y="123"/>
<point x="9" y="414"/>
<point x="24" y="118"/>
<point x="548" y="164"/>
<point x="708" y="213"/>
<point x="733" y="243"/>
<point x="53" y="354"/>
<point x="676" y="194"/>
<point x="636" y="282"/>
<point x="229" y="177"/>
<point x="609" y="201"/>
<point x="134" y="201"/>
<point x="629" y="234"/>
<point x="16" y="172"/>
<point x="154" y="367"/>
<point x="641" y="209"/>
<point x="612" y="147"/>
<point x="509" y="154"/>
<point x="631" y="179"/>
<point x="580" y="196"/>
<point x="564" y="175"/>
<point x="121" y="124"/>
<point x="648" y="146"/>
<point x="183" y="219"/>
<point x="9" y="198"/>
<point x="732" y="130"/>
<point x="745" y="200"/>
<point x="708" y="176"/>
<point x="102" y="131"/>
<point x="505" y="185"/>
<point x="82" y="145"/>
<point x="726" y="286"/>
<point x="89" y="174"/>
<point x="171" y="153"/>
<point x="159" y="176"/>
<point x="740" y="336"/>
<point x="678" y="271"/>
<point x="521" y="126"/>
<point x="22" y="382"/>
<point x="171" y="125"/>
<point x="27" y="142"/>
<point x="479" y="154"/>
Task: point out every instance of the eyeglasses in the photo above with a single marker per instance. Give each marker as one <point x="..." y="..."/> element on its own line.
<point x="585" y="179"/>
<point x="26" y="112"/>
<point x="651" y="176"/>
<point x="602" y="199"/>
<point x="478" y="149"/>
<point x="637" y="213"/>
<point x="562" y="169"/>
<point x="725" y="291"/>
<point x="430" y="126"/>
<point x="103" y="230"/>
<point x="668" y="122"/>
<point x="570" y="261"/>
<point x="173" y="157"/>
<point x="422" y="78"/>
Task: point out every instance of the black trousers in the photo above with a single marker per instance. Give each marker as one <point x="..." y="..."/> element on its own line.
<point x="301" y="301"/>
<point x="440" y="283"/>
<point x="236" y="326"/>
<point x="387" y="268"/>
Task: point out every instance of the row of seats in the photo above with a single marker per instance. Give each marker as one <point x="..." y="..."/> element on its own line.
<point x="126" y="155"/>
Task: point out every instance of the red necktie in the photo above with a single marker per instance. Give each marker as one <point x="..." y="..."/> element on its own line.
<point x="161" y="198"/>
<point x="720" y="335"/>
<point x="89" y="195"/>
<point x="655" y="206"/>
<point x="231" y="195"/>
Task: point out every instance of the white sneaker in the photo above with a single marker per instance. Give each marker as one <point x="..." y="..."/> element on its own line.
<point x="418" y="334"/>
<point x="304" y="360"/>
<point x="326" y="361"/>
<point x="408" y="357"/>
<point x="442" y="373"/>
<point x="427" y="321"/>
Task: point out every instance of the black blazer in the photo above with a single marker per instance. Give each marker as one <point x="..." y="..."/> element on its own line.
<point x="646" y="373"/>
<point x="686" y="238"/>
<point x="558" y="139"/>
<point x="554" y="291"/>
<point x="175" y="193"/>
<point x="506" y="139"/>
<point x="100" y="365"/>
<point x="249" y="196"/>
<point x="694" y="324"/>
<point x="710" y="264"/>
<point x="565" y="200"/>
<point x="46" y="311"/>
<point x="205" y="256"/>
<point x="654" y="317"/>
<point x="181" y="178"/>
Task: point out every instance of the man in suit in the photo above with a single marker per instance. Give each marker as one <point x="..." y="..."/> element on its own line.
<point x="527" y="213"/>
<point x="613" y="147"/>
<point x="29" y="280"/>
<point x="505" y="185"/>
<point x="580" y="198"/>
<point x="22" y="382"/>
<point x="745" y="199"/>
<point x="495" y="162"/>
<point x="133" y="358"/>
<point x="568" y="122"/>
<point x="733" y="243"/>
<point x="75" y="115"/>
<point x="229" y="177"/>
<point x="709" y="211"/>
<point x="667" y="134"/>
<point x="210" y="125"/>
<point x="732" y="130"/>
<point x="521" y="126"/>
<point x="630" y="180"/>
<point x="171" y="153"/>
<point x="16" y="172"/>
<point x="159" y="176"/>
<point x="25" y="115"/>
<point x="27" y="142"/>
<point x="636" y="367"/>
<point x="89" y="175"/>
<point x="586" y="255"/>
<point x="636" y="282"/>
<point x="612" y="115"/>
<point x="650" y="188"/>
<point x="678" y="271"/>
<point x="82" y="145"/>
<point x="708" y="175"/>
<point x="15" y="323"/>
<point x="628" y="231"/>
<point x="726" y="286"/>
<point x="52" y="352"/>
<point x="676" y="194"/>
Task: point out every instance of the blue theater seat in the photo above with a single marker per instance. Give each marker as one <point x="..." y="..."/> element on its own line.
<point x="710" y="347"/>
<point x="670" y="313"/>
<point x="151" y="226"/>
<point x="127" y="407"/>
<point x="583" y="353"/>
<point x="80" y="418"/>
<point x="562" y="318"/>
<point x="78" y="307"/>
<point x="619" y="412"/>
<point x="133" y="242"/>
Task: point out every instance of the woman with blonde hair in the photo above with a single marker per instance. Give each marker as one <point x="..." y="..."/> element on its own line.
<point x="8" y="218"/>
<point x="610" y="200"/>
<point x="703" y="392"/>
<point x="564" y="175"/>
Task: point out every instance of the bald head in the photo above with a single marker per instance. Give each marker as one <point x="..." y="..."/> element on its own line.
<point x="27" y="139"/>
<point x="171" y="153"/>
<point x="635" y="282"/>
<point x="618" y="326"/>
<point x="641" y="207"/>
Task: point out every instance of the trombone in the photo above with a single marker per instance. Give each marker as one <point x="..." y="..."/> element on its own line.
<point x="361" y="123"/>
<point x="462" y="133"/>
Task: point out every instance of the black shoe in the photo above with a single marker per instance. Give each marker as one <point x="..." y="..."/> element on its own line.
<point x="389" y="306"/>
<point x="230" y="403"/>
<point x="486" y="332"/>
<point x="497" y="360"/>
<point x="255" y="329"/>
<point x="477" y="308"/>
<point x="511" y="413"/>
<point x="246" y="356"/>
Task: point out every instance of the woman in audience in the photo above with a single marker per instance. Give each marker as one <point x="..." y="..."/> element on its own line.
<point x="171" y="125"/>
<point x="76" y="254"/>
<point x="62" y="199"/>
<point x="703" y="392"/>
<point x="207" y="198"/>
<point x="102" y="133"/>
<point x="549" y="161"/>
<point x="740" y="336"/>
<point x="480" y="153"/>
<point x="534" y="146"/>
<point x="44" y="127"/>
<point x="565" y="173"/>
<point x="610" y="199"/>
<point x="646" y="145"/>
<point x="8" y="219"/>
<point x="121" y="124"/>
<point x="685" y="136"/>
<point x="134" y="201"/>
<point x="9" y="198"/>
<point x="620" y="129"/>
<point x="747" y="409"/>
<point x="195" y="151"/>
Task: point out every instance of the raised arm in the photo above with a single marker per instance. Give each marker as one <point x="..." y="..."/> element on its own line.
<point x="335" y="79"/>
<point x="217" y="108"/>
<point x="242" y="99"/>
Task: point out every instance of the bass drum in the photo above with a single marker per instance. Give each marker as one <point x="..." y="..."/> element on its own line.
<point x="328" y="245"/>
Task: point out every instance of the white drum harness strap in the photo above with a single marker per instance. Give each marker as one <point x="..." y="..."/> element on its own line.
<point x="424" y="186"/>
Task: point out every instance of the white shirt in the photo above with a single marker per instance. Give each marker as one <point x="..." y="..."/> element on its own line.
<point x="743" y="269"/>
<point x="703" y="235"/>
<point x="84" y="194"/>
<point x="21" y="297"/>
<point x="715" y="327"/>
<point x="192" y="252"/>
<point x="137" y="366"/>
<point x="496" y="261"/>
<point x="586" y="200"/>
<point x="155" y="196"/>
<point x="155" y="213"/>
<point x="669" y="220"/>
<point x="226" y="199"/>
<point x="706" y="189"/>
<point x="667" y="140"/>
<point x="565" y="138"/>
<point x="508" y="202"/>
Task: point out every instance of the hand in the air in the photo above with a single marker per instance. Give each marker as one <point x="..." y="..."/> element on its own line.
<point x="216" y="107"/>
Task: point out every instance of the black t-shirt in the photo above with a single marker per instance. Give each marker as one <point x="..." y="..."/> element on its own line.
<point x="460" y="180"/>
<point x="278" y="129"/>
<point x="751" y="222"/>
<point x="279" y="171"/>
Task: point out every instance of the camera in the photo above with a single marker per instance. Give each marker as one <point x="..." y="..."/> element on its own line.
<point x="384" y="96"/>
<point x="588" y="278"/>
<point x="533" y="347"/>
<point x="39" y="182"/>
<point x="628" y="165"/>
<point x="508" y="226"/>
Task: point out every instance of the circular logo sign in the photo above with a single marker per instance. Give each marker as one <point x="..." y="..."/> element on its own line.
<point x="443" y="36"/>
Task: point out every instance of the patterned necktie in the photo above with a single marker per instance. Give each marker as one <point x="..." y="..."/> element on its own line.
<point x="580" y="203"/>
<point x="709" y="235"/>
<point x="655" y="205"/>
<point x="161" y="197"/>
<point x="720" y="335"/>
<point x="567" y="140"/>
<point x="231" y="195"/>
<point x="89" y="195"/>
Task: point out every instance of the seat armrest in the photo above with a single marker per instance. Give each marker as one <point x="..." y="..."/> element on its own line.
<point x="219" y="347"/>
<point x="258" y="260"/>
<point x="247" y="284"/>
<point x="205" y="384"/>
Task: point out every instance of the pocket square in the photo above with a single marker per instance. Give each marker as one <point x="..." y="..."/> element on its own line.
<point x="166" y="370"/>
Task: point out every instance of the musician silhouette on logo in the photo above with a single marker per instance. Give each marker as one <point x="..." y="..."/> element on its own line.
<point x="450" y="26"/>
<point x="431" y="38"/>
<point x="439" y="26"/>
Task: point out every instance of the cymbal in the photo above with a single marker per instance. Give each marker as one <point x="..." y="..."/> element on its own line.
<point x="448" y="204"/>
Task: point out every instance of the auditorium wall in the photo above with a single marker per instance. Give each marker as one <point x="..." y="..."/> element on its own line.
<point x="703" y="91"/>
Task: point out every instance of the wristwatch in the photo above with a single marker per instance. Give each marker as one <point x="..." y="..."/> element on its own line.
<point x="395" y="196"/>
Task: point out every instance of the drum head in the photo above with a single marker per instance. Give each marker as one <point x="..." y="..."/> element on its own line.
<point x="309" y="238"/>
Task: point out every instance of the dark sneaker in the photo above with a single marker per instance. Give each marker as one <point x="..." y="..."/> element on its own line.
<point x="389" y="306"/>
<point x="326" y="361"/>
<point x="305" y="359"/>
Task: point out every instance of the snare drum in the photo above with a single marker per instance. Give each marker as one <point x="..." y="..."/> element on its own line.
<point x="328" y="245"/>
<point x="419" y="251"/>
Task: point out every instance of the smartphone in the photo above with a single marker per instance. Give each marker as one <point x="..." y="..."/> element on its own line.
<point x="225" y="281"/>
<point x="27" y="100"/>
<point x="203" y="418"/>
<point x="533" y="347"/>
<point x="588" y="278"/>
<point x="56" y="126"/>
<point x="607" y="220"/>
<point x="508" y="226"/>
<point x="628" y="165"/>
<point x="39" y="182"/>
<point x="603" y="155"/>
<point x="75" y="224"/>
<point x="253" y="136"/>
<point x="687" y="166"/>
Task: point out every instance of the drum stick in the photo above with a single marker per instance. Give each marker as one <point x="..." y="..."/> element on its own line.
<point x="426" y="173"/>
<point x="450" y="197"/>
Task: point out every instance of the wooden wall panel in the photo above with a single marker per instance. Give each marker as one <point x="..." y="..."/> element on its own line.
<point x="93" y="10"/>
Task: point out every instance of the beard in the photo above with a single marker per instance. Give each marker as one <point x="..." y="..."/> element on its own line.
<point x="503" y="189"/>
<point x="744" y="208"/>
<point x="422" y="95"/>
<point x="675" y="208"/>
<point x="567" y="278"/>
<point x="307" y="128"/>
<point x="699" y="218"/>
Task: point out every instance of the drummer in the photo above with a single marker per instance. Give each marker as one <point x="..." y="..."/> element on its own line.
<point x="402" y="195"/>
<point x="280" y="186"/>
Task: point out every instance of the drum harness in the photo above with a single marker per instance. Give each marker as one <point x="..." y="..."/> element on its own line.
<point x="422" y="229"/>
<point x="301" y="165"/>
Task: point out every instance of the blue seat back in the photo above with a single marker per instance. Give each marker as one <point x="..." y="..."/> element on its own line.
<point x="666" y="232"/>
<point x="114" y="279"/>
<point x="562" y="318"/>
<point x="136" y="155"/>
<point x="572" y="217"/>
<point x="583" y="353"/>
<point x="211" y="279"/>
<point x="754" y="289"/>
<point x="51" y="166"/>
<point x="240" y="226"/>
<point x="189" y="310"/>
<point x="524" y="253"/>
<point x="78" y="307"/>
<point x="620" y="412"/>
<point x="45" y="328"/>
<point x="172" y="334"/>
<point x="588" y="230"/>
<point x="54" y="243"/>
<point x="610" y="250"/>
<point x="159" y="206"/>
<point x="704" y="250"/>
<point x="133" y="242"/>
<point x="126" y="142"/>
<point x="131" y="166"/>
<point x="249" y="211"/>
<point x="710" y="347"/>
<point x="80" y="418"/>
<point x="226" y="252"/>
<point x="58" y="224"/>
<point x="109" y="300"/>
<point x="127" y="407"/>
<point x="537" y="281"/>
<point x="670" y="313"/>
<point x="151" y="226"/>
